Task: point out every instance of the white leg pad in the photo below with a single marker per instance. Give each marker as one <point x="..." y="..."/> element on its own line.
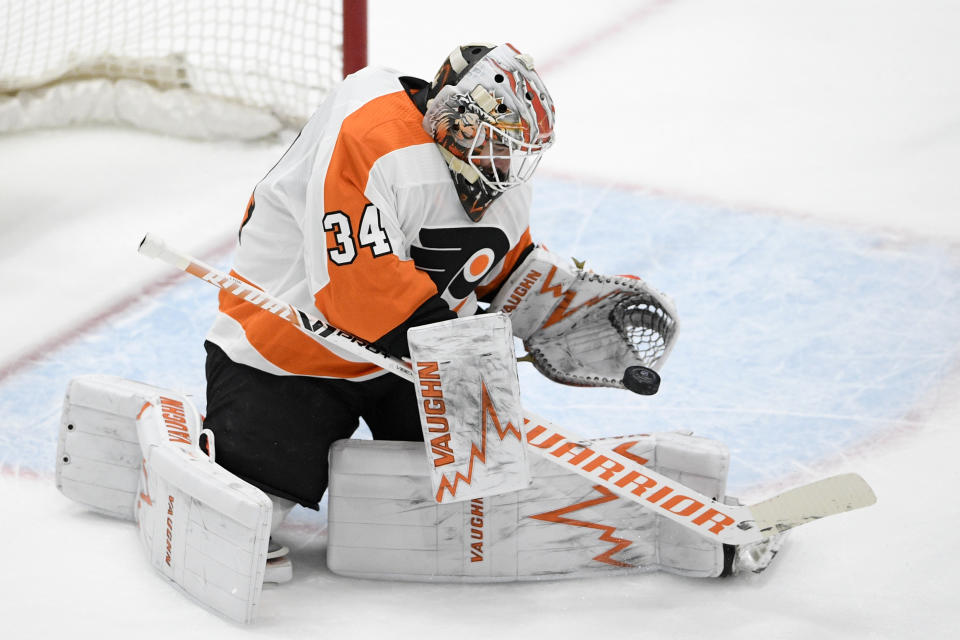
<point x="384" y="524"/>
<point x="205" y="530"/>
<point x="98" y="449"/>
<point x="130" y="450"/>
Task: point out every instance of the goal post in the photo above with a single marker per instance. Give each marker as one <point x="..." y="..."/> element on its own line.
<point x="354" y="35"/>
<point x="194" y="68"/>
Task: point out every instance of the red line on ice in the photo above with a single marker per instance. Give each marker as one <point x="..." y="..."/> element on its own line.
<point x="78" y="329"/>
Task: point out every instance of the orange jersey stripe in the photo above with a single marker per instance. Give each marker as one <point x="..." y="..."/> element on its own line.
<point x="372" y="295"/>
<point x="247" y="212"/>
<point x="285" y="345"/>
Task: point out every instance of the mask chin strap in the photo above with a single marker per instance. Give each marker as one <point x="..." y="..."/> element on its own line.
<point x="458" y="166"/>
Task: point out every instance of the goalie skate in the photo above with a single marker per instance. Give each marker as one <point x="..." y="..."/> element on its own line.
<point x="279" y="569"/>
<point x="750" y="557"/>
<point x="755" y="557"/>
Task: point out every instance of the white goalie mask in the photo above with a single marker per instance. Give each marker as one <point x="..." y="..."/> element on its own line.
<point x="492" y="118"/>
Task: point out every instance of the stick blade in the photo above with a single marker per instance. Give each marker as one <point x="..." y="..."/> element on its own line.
<point x="827" y="497"/>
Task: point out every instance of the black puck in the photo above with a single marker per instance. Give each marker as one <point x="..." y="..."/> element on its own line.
<point x="642" y="380"/>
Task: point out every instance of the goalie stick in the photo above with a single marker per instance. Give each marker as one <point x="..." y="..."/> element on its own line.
<point x="613" y="469"/>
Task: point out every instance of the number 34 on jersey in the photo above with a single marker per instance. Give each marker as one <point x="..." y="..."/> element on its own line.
<point x="370" y="234"/>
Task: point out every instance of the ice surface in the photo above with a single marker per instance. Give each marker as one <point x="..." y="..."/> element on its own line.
<point x="787" y="173"/>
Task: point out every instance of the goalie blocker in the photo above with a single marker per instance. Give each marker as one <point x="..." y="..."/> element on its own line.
<point x="468" y="396"/>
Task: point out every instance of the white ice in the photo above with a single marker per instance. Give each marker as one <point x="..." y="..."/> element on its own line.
<point x="845" y="112"/>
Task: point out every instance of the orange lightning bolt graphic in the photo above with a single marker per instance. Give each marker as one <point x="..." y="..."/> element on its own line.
<point x="563" y="309"/>
<point x="607" y="536"/>
<point x="478" y="453"/>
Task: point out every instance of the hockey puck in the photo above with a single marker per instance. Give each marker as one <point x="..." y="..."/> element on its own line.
<point x="642" y="380"/>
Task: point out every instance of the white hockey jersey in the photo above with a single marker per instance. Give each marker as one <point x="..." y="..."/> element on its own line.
<point x="359" y="224"/>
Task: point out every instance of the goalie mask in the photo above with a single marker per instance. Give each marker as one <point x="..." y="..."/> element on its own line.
<point x="492" y="118"/>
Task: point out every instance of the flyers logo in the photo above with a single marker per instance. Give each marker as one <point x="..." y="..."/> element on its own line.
<point x="457" y="259"/>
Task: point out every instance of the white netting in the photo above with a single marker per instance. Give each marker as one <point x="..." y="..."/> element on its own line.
<point x="275" y="57"/>
<point x="645" y="324"/>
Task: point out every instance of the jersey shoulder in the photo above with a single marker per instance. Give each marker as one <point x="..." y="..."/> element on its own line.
<point x="387" y="119"/>
<point x="377" y="119"/>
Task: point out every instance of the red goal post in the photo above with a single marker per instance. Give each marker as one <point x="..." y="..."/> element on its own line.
<point x="197" y="68"/>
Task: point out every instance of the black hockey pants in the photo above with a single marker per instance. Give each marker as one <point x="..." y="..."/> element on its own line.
<point x="275" y="431"/>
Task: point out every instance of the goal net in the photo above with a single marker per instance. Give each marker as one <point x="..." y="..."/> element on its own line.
<point x="194" y="68"/>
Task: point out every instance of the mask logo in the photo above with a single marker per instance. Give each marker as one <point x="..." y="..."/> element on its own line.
<point x="458" y="259"/>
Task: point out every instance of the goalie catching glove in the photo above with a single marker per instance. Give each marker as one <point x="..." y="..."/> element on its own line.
<point x="582" y="328"/>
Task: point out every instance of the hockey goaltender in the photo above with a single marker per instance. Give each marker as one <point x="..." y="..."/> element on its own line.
<point x="390" y="245"/>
